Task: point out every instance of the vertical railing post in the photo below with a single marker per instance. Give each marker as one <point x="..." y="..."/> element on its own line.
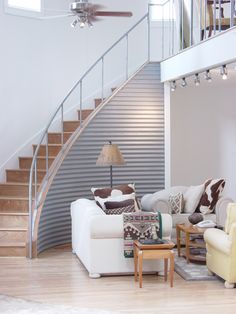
<point x="232" y="8"/>
<point x="182" y="26"/>
<point x="62" y="125"/>
<point x="173" y="38"/>
<point x="46" y="152"/>
<point x="102" y="93"/>
<point x="200" y="20"/>
<point x="205" y="15"/>
<point x="127" y="57"/>
<point x="149" y="32"/>
<point x="191" y="24"/>
<point x="80" y="102"/>
<point x="214" y="17"/>
<point x="162" y="30"/>
<point x="169" y="22"/>
<point x="219" y="15"/>
<point x="30" y="221"/>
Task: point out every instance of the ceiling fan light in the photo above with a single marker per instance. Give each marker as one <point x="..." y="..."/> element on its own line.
<point x="74" y="23"/>
<point x="82" y="24"/>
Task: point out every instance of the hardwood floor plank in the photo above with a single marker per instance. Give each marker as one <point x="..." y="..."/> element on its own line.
<point x="58" y="277"/>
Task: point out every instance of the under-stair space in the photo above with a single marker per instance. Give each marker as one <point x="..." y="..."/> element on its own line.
<point x="14" y="193"/>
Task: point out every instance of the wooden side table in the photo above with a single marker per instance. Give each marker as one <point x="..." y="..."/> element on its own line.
<point x="189" y="230"/>
<point x="153" y="251"/>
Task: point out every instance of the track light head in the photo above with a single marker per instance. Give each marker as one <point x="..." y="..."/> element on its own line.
<point x="183" y="82"/>
<point x="173" y="86"/>
<point x="208" y="76"/>
<point x="197" y="79"/>
<point x="223" y="72"/>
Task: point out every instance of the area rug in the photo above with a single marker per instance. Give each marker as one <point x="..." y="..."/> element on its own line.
<point x="10" y="305"/>
<point x="192" y="271"/>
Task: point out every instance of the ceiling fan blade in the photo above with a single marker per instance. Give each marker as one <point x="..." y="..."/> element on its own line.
<point x="113" y="13"/>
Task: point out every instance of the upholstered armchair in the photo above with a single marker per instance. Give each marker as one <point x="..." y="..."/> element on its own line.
<point x="221" y="248"/>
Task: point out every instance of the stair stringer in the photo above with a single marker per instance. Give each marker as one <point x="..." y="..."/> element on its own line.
<point x="133" y="118"/>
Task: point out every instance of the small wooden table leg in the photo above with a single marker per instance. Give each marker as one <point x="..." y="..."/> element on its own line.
<point x="165" y="268"/>
<point x="140" y="263"/>
<point x="187" y="249"/>
<point x="171" y="268"/>
<point x="178" y="239"/>
<point x="135" y="263"/>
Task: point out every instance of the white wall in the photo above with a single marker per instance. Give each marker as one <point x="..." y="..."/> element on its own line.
<point x="203" y="133"/>
<point x="40" y="61"/>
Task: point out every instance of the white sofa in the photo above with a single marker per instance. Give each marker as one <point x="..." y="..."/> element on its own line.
<point x="97" y="240"/>
<point x="158" y="201"/>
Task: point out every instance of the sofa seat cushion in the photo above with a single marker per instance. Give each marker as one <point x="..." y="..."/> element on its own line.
<point x="183" y="218"/>
<point x="111" y="226"/>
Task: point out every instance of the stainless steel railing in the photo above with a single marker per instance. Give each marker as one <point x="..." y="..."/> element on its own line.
<point x="58" y="116"/>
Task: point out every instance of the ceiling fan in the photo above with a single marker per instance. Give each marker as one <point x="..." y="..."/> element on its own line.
<point x="87" y="13"/>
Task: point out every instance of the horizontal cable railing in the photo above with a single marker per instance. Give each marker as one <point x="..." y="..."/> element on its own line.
<point x="76" y="93"/>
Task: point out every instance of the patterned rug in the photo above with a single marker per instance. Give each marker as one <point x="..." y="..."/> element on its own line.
<point x="191" y="271"/>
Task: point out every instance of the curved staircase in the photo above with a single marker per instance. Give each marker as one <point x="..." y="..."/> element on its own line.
<point x="14" y="193"/>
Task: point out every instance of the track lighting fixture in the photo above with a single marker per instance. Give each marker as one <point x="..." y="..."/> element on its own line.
<point x="208" y="76"/>
<point x="173" y="86"/>
<point x="183" y="82"/>
<point x="223" y="72"/>
<point x="197" y="79"/>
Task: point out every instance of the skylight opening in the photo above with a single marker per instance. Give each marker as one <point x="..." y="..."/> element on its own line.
<point x="29" y="5"/>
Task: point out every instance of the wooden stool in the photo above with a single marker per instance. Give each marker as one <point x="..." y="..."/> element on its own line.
<point x="153" y="251"/>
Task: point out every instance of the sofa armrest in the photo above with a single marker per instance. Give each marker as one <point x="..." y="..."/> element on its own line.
<point x="220" y="210"/>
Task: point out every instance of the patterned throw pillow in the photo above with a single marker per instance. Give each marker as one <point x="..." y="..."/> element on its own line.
<point x="176" y="203"/>
<point x="117" y="194"/>
<point x="213" y="190"/>
<point x="117" y="208"/>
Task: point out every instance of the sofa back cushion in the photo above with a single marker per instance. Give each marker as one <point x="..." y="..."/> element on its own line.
<point x="192" y="197"/>
<point x="212" y="192"/>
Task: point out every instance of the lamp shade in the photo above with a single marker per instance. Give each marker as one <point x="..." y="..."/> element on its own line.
<point x="110" y="156"/>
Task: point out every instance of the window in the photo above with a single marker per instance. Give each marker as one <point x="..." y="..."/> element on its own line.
<point x="162" y="10"/>
<point x="27" y="8"/>
<point x="32" y="5"/>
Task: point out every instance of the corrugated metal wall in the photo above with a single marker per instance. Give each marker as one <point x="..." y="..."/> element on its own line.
<point x="133" y="119"/>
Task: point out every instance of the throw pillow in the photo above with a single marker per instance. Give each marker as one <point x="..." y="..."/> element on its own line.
<point x="117" y="194"/>
<point x="176" y="203"/>
<point x="192" y="197"/>
<point x="213" y="189"/>
<point x="117" y="208"/>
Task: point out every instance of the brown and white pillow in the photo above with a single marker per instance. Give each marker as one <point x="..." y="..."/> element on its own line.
<point x="117" y="194"/>
<point x="117" y="208"/>
<point x="176" y="203"/>
<point x="212" y="192"/>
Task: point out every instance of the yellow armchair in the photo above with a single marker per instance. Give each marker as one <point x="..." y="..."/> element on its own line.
<point x="221" y="248"/>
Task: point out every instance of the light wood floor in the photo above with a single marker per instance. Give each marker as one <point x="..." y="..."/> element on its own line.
<point x="58" y="277"/>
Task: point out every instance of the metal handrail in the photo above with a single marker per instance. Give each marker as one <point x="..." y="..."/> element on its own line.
<point x="33" y="169"/>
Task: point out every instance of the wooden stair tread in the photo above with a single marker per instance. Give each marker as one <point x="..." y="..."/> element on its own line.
<point x="12" y="244"/>
<point x="13" y="229"/>
<point x="13" y="214"/>
<point x="21" y="198"/>
<point x="16" y="183"/>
